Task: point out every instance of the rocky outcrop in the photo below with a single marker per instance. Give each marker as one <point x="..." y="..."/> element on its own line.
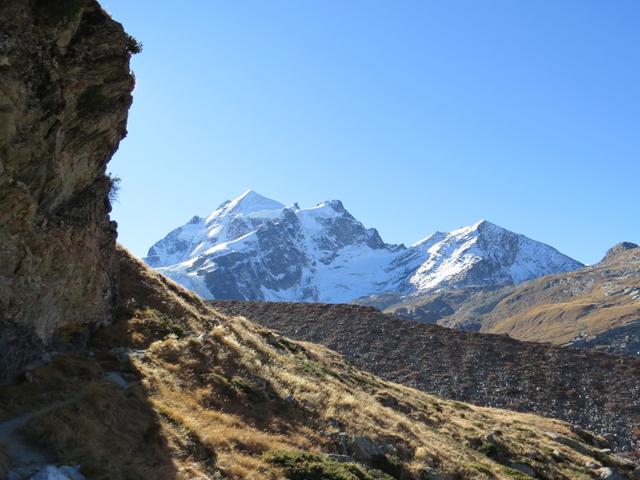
<point x="65" y="90"/>
<point x="622" y="251"/>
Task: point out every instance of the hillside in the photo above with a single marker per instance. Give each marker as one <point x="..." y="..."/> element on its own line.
<point x="175" y="390"/>
<point x="595" y="307"/>
<point x="597" y="391"/>
<point x="254" y="248"/>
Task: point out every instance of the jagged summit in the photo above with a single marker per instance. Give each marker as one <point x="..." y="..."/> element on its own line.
<point x="247" y="203"/>
<point x="256" y="248"/>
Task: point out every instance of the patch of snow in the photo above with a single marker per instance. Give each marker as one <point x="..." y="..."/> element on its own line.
<point x="51" y="472"/>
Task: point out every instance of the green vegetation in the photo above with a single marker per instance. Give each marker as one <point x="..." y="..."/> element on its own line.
<point x="511" y="473"/>
<point x="308" y="466"/>
<point x="133" y="46"/>
<point x="114" y="188"/>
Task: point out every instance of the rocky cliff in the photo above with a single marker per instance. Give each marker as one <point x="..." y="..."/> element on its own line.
<point x="65" y="90"/>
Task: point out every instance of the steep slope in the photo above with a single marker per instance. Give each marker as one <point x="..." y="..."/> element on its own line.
<point x="66" y="88"/>
<point x="255" y="248"/>
<point x="596" y="307"/>
<point x="175" y="390"/>
<point x="597" y="391"/>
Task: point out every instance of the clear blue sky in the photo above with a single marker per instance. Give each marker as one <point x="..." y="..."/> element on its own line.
<point x="419" y="115"/>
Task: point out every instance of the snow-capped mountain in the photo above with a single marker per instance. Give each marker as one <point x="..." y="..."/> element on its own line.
<point x="256" y="248"/>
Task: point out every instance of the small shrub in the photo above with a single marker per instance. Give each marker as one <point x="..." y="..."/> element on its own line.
<point x="132" y="45"/>
<point x="114" y="188"/>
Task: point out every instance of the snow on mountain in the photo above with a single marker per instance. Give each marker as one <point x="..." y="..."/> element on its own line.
<point x="484" y="254"/>
<point x="256" y="248"/>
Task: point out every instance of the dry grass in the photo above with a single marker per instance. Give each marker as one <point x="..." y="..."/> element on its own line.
<point x="560" y="322"/>
<point x="214" y="397"/>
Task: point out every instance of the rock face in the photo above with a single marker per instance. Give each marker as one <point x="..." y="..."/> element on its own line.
<point x="621" y="252"/>
<point x="256" y="248"/>
<point x="65" y="90"/>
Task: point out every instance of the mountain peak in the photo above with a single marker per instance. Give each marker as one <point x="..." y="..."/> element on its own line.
<point x="248" y="202"/>
<point x="618" y="251"/>
<point x="253" y="247"/>
<point x="485" y="225"/>
<point x="252" y="200"/>
<point x="479" y="227"/>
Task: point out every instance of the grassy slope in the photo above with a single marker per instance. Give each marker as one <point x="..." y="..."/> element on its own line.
<point x="552" y="309"/>
<point x="217" y="397"/>
<point x="597" y="391"/>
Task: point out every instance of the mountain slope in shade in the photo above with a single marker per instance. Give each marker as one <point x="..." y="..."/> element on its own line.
<point x="594" y="307"/>
<point x="256" y="248"/>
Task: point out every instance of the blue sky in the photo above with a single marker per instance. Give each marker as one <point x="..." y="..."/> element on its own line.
<point x="418" y="115"/>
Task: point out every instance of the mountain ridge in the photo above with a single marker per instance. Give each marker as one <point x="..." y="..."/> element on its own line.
<point x="597" y="306"/>
<point x="256" y="248"/>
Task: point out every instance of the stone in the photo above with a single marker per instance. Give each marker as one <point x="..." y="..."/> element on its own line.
<point x="360" y="447"/>
<point x="607" y="473"/>
<point x="571" y="443"/>
<point x="589" y="437"/>
<point x="66" y="90"/>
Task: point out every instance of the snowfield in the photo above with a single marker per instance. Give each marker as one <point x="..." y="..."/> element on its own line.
<point x="255" y="248"/>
